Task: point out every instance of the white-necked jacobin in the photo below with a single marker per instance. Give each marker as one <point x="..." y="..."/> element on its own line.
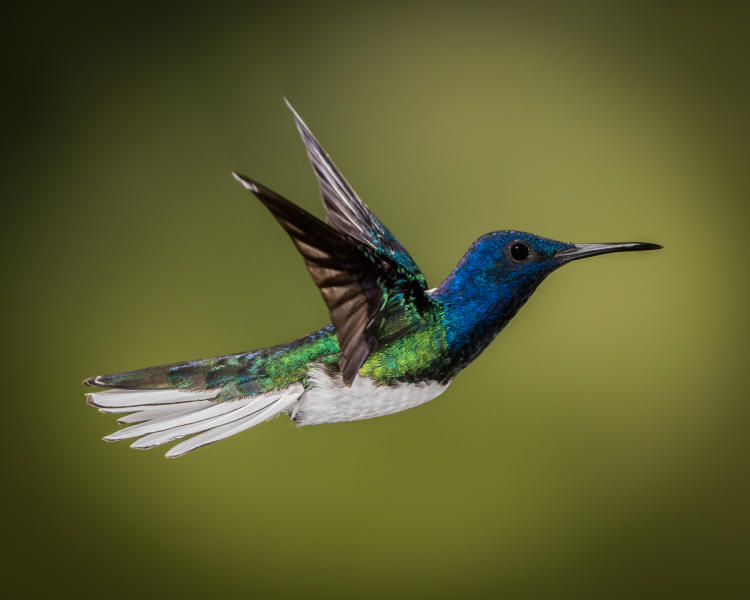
<point x="392" y="343"/>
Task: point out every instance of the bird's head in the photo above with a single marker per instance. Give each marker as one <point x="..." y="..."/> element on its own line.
<point x="511" y="264"/>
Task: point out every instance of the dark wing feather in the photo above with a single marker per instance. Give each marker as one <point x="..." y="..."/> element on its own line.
<point x="354" y="279"/>
<point x="345" y="211"/>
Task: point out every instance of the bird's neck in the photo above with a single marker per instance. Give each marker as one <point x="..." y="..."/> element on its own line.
<point x="476" y="310"/>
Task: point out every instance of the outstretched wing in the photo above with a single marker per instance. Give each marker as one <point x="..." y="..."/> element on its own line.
<point x="345" y="211"/>
<point x="356" y="280"/>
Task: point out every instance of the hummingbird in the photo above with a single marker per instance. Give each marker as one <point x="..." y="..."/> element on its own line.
<point x="392" y="344"/>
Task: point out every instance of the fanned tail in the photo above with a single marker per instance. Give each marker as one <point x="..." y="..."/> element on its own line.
<point x="164" y="415"/>
<point x="209" y="398"/>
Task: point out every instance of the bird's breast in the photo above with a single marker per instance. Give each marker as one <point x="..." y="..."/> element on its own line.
<point x="328" y="400"/>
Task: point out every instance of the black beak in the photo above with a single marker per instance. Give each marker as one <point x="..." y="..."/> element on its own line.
<point x="584" y="250"/>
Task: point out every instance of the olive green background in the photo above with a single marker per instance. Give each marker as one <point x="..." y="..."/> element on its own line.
<point x="598" y="448"/>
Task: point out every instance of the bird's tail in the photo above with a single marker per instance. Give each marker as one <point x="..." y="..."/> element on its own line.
<point x="210" y="399"/>
<point x="162" y="416"/>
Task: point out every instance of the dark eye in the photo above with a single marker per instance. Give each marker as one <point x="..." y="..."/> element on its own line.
<point x="519" y="252"/>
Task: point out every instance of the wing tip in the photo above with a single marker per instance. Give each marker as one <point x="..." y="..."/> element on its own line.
<point x="291" y="108"/>
<point x="350" y="368"/>
<point x="246" y="182"/>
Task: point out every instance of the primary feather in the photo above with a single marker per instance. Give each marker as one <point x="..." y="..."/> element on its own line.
<point x="360" y="283"/>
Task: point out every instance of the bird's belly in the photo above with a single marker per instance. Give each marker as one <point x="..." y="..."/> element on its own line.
<point x="328" y="400"/>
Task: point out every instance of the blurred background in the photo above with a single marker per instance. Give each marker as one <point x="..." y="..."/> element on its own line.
<point x="598" y="448"/>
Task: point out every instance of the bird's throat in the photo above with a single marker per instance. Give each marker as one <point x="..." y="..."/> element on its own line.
<point x="475" y="315"/>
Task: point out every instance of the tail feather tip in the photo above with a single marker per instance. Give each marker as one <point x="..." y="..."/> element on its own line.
<point x="94" y="382"/>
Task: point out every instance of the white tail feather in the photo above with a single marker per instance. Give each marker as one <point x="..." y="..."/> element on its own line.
<point x="135" y="398"/>
<point x="162" y="416"/>
<point x="216" y="415"/>
<point x="173" y="420"/>
<point x="282" y="404"/>
<point x="158" y="411"/>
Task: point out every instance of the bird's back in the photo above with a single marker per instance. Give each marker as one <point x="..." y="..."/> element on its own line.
<point x="241" y="374"/>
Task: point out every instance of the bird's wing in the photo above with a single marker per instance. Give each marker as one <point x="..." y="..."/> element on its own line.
<point x="345" y="211"/>
<point x="359" y="283"/>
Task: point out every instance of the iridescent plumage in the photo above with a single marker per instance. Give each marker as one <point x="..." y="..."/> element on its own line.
<point x="392" y="344"/>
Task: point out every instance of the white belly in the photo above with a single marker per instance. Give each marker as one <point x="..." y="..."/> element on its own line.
<point x="328" y="400"/>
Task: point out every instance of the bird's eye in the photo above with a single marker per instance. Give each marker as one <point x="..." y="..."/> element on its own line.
<point x="519" y="252"/>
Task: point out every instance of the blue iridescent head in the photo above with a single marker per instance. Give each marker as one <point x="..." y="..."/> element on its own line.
<point x="519" y="261"/>
<point x="507" y="263"/>
<point x="499" y="272"/>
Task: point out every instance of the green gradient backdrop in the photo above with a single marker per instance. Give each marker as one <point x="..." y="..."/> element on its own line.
<point x="598" y="448"/>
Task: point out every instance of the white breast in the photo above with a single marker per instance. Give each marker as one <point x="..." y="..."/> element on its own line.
<point x="328" y="400"/>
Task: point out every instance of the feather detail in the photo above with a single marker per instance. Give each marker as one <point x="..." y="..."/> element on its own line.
<point x="356" y="280"/>
<point x="156" y="412"/>
<point x="169" y="421"/>
<point x="327" y="400"/>
<point x="124" y="399"/>
<point x="162" y="416"/>
<point x="282" y="403"/>
<point x="344" y="209"/>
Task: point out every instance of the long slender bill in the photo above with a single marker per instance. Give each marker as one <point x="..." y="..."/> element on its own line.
<point x="584" y="250"/>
